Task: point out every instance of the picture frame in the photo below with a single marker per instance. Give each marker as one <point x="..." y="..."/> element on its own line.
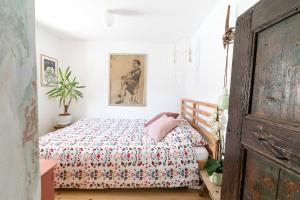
<point x="127" y="75"/>
<point x="49" y="71"/>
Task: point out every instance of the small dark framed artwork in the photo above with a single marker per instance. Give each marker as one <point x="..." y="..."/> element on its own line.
<point x="49" y="71"/>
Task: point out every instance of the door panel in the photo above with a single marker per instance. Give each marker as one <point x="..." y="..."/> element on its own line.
<point x="289" y="186"/>
<point x="270" y="131"/>
<point x="261" y="178"/>
<point x="277" y="71"/>
<point x="278" y="143"/>
<point x="262" y="158"/>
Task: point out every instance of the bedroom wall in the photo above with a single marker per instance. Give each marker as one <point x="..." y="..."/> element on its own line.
<point x="50" y="45"/>
<point x="19" y="164"/>
<point x="90" y="63"/>
<point x="209" y="54"/>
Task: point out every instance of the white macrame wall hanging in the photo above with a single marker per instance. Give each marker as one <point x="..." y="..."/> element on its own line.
<point x="182" y="59"/>
<point x="186" y="60"/>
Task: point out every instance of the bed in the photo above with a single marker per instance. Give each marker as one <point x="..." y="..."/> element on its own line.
<point x="116" y="153"/>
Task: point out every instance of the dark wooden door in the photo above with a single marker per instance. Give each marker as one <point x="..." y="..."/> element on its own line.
<point x="262" y="159"/>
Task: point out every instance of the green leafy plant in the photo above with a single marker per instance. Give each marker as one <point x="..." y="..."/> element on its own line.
<point x="67" y="89"/>
<point x="213" y="165"/>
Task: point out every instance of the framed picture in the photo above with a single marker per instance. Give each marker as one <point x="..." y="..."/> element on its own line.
<point x="127" y="79"/>
<point x="49" y="71"/>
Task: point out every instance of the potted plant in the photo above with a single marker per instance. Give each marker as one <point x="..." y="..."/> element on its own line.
<point x="214" y="167"/>
<point x="66" y="91"/>
<point x="214" y="170"/>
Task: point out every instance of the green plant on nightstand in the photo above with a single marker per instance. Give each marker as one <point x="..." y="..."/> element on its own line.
<point x="214" y="170"/>
<point x="67" y="90"/>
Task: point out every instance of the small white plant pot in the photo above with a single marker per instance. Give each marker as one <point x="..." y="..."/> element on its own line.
<point x="216" y="178"/>
<point x="64" y="119"/>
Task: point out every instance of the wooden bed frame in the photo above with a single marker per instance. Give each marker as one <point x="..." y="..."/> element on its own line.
<point x="198" y="113"/>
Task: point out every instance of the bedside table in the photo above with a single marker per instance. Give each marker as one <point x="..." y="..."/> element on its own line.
<point x="214" y="190"/>
<point x="60" y="126"/>
<point x="47" y="179"/>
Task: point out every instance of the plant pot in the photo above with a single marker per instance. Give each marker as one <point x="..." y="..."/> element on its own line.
<point x="216" y="178"/>
<point x="64" y="119"/>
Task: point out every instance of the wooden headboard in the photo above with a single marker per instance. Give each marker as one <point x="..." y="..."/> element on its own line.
<point x="198" y="113"/>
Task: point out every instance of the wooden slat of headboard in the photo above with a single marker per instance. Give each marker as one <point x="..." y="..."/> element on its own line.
<point x="195" y="118"/>
<point x="202" y="112"/>
<point x="193" y="114"/>
<point x="201" y="103"/>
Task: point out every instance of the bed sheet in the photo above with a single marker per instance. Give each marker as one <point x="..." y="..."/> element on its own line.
<point x="116" y="153"/>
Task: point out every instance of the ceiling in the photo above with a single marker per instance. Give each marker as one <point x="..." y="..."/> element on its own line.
<point x="151" y="21"/>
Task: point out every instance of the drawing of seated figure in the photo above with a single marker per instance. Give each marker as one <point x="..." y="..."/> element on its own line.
<point x="130" y="82"/>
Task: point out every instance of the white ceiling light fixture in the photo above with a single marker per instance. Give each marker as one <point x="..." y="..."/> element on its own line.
<point x="108" y="18"/>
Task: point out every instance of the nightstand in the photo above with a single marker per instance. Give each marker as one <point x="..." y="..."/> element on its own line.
<point x="214" y="190"/>
<point x="60" y="126"/>
<point x="47" y="179"/>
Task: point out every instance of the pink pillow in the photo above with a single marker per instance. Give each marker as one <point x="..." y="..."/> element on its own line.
<point x="161" y="127"/>
<point x="169" y="114"/>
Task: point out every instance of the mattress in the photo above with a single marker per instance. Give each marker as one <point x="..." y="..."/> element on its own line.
<point x="201" y="153"/>
<point x="116" y="153"/>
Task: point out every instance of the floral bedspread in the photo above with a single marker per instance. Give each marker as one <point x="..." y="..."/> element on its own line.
<point x="116" y="153"/>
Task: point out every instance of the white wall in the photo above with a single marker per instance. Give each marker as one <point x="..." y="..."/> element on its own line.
<point x="89" y="61"/>
<point x="209" y="54"/>
<point x="49" y="45"/>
